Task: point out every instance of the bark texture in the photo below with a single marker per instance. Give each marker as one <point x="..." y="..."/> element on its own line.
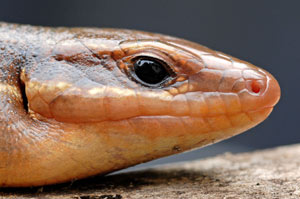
<point x="272" y="173"/>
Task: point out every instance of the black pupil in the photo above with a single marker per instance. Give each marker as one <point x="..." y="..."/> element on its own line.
<point x="150" y="71"/>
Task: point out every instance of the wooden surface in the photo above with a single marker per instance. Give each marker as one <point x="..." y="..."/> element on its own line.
<point x="273" y="173"/>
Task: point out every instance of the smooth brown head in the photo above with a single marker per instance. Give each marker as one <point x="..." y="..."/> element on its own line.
<point x="122" y="97"/>
<point x="115" y="75"/>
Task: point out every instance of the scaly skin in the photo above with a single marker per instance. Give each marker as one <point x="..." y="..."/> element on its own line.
<point x="86" y="116"/>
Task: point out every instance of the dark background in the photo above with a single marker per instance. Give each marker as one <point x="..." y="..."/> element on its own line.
<point x="265" y="33"/>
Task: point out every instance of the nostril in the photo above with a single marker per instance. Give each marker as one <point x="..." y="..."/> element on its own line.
<point x="255" y="86"/>
<point x="260" y="93"/>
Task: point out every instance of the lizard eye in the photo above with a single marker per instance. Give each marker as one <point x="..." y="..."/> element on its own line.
<point x="150" y="71"/>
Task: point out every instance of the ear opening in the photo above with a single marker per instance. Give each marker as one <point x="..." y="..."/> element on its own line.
<point x="24" y="97"/>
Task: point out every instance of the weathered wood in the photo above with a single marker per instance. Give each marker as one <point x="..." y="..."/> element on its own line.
<point x="273" y="173"/>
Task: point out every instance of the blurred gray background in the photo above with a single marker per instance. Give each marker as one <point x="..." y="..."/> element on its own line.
<point x="265" y="33"/>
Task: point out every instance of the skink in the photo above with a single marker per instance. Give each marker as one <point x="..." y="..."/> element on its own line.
<point x="76" y="102"/>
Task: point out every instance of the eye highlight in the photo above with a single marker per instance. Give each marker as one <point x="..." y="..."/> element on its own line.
<point x="150" y="71"/>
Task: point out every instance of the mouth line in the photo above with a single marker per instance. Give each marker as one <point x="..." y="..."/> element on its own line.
<point x="260" y="109"/>
<point x="192" y="116"/>
<point x="175" y="116"/>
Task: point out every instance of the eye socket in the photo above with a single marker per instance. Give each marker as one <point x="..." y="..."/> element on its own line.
<point x="150" y="71"/>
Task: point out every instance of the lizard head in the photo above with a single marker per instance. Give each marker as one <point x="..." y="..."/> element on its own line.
<point x="96" y="77"/>
<point x="136" y="96"/>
